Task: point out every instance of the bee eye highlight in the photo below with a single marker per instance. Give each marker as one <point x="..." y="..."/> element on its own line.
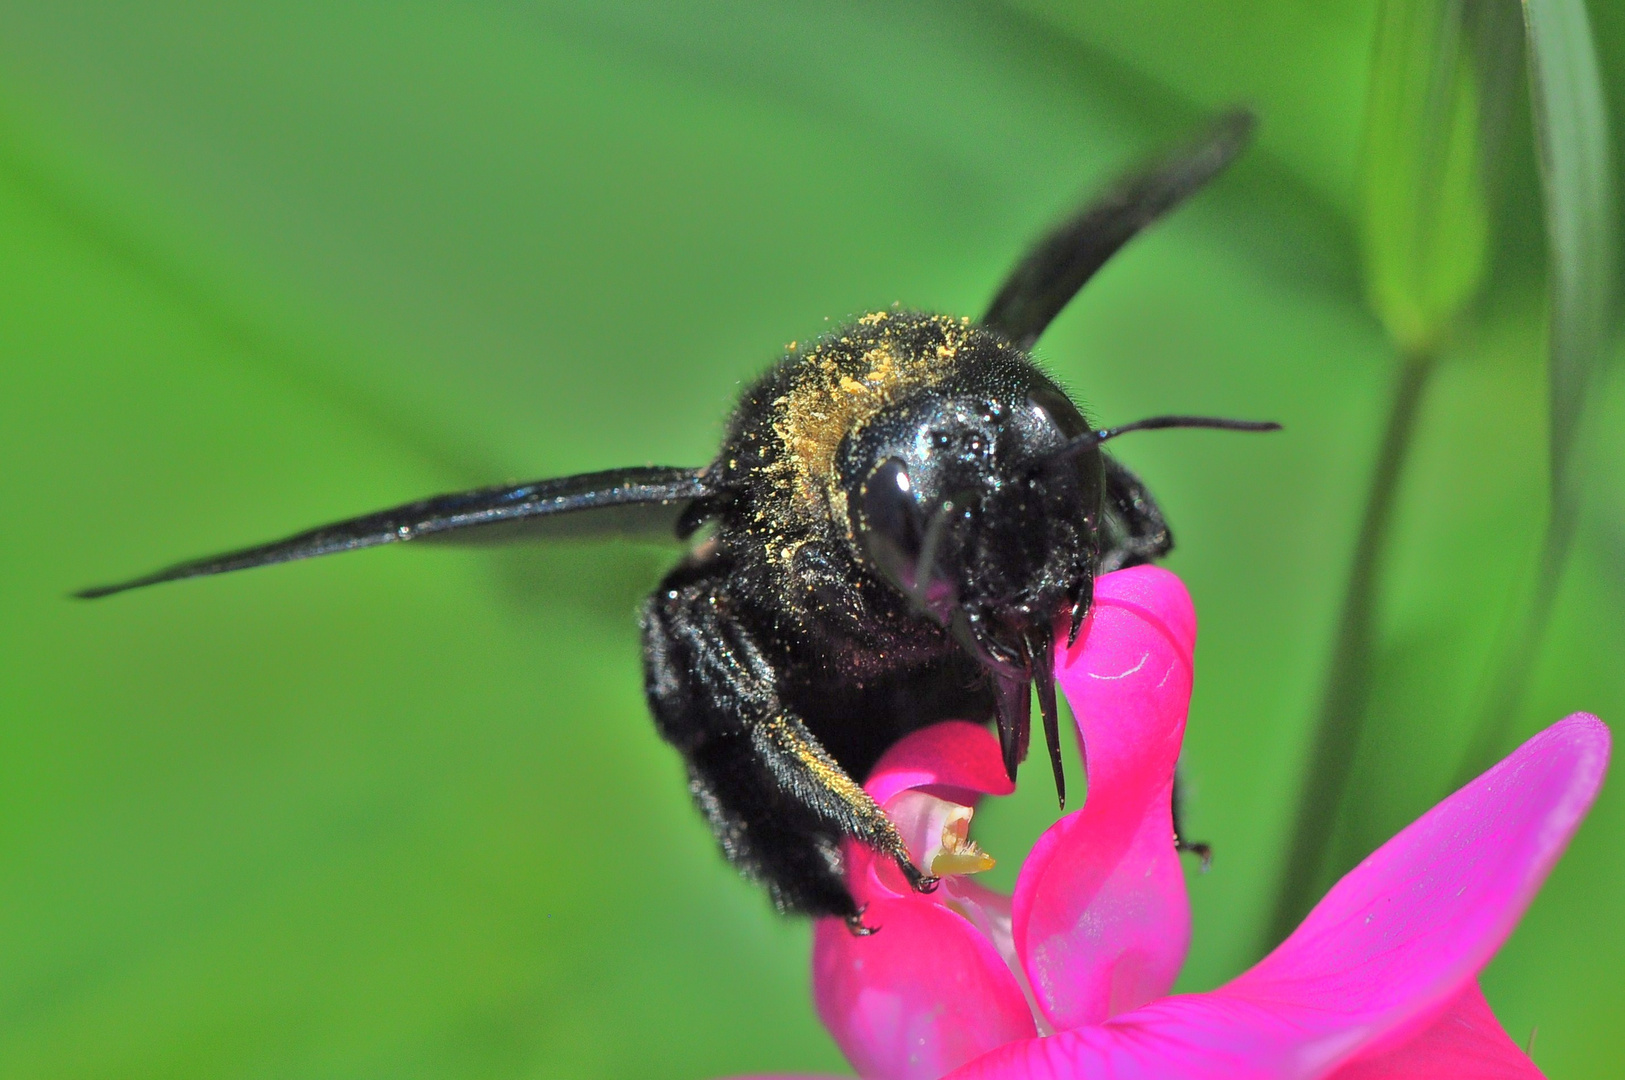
<point x="890" y="523"/>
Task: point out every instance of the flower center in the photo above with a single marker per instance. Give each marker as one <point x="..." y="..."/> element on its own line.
<point x="956" y="852"/>
<point x="937" y="832"/>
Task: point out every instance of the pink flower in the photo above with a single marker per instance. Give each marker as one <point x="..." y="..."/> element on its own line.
<point x="1068" y="977"/>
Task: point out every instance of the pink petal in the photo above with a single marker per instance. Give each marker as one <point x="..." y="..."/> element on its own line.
<point x="929" y="991"/>
<point x="1399" y="937"/>
<point x="1386" y="960"/>
<point x="1466" y="1043"/>
<point x="954" y="754"/>
<point x="1100" y="916"/>
<point x="925" y="994"/>
<point x="1205" y="1037"/>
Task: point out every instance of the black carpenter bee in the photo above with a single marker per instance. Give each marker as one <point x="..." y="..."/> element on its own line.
<point x="901" y="514"/>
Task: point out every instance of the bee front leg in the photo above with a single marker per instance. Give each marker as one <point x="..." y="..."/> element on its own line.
<point x="776" y="800"/>
<point x="1136" y="532"/>
<point x="802" y="766"/>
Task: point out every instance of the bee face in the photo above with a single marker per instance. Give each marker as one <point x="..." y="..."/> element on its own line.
<point x="961" y="503"/>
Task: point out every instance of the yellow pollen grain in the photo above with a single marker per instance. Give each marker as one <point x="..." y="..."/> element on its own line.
<point x="834" y="395"/>
<point x="959" y="854"/>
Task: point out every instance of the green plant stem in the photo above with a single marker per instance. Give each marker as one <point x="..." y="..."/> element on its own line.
<point x="1348" y="681"/>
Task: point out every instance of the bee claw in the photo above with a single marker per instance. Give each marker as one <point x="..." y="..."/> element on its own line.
<point x="1083" y="596"/>
<point x="857" y="927"/>
<point x="1079" y="610"/>
<point x="918" y="880"/>
<point x="1200" y="850"/>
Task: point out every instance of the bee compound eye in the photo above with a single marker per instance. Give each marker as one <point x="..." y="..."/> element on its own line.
<point x="890" y="522"/>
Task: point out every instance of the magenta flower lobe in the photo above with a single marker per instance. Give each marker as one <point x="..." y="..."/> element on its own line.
<point x="1068" y="976"/>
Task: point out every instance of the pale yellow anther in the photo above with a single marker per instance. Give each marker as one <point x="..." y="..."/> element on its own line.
<point x="957" y="853"/>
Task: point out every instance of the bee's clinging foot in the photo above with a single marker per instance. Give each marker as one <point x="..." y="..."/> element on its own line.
<point x="857" y="927"/>
<point x="1200" y="850"/>
<point x="918" y="880"/>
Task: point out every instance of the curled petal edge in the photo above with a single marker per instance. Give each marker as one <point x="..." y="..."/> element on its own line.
<point x="1384" y="964"/>
<point x="1100" y="916"/>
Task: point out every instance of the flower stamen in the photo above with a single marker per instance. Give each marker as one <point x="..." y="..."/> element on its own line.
<point x="956" y="852"/>
<point x="937" y="833"/>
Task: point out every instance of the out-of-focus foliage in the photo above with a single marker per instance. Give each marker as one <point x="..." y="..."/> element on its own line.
<point x="1574" y="141"/>
<point x="1444" y="77"/>
<point x="1424" y="221"/>
<point x="1424" y="237"/>
<point x="401" y="812"/>
<point x="1572" y="132"/>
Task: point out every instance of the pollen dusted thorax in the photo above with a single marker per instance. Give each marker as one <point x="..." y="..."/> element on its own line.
<point x="837" y="387"/>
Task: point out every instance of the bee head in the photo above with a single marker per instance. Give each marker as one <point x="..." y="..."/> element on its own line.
<point x="959" y="502"/>
<point x="985" y="511"/>
<point x="974" y="508"/>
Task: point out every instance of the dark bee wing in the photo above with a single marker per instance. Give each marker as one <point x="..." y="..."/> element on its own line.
<point x="1057" y="267"/>
<point x="646" y="502"/>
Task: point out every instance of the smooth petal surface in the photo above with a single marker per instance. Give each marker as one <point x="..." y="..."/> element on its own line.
<point x="1101" y="920"/>
<point x="1382" y="962"/>
<point x="1467" y="1042"/>
<point x="929" y="991"/>
<point x="1400" y="936"/>
<point x="925" y="994"/>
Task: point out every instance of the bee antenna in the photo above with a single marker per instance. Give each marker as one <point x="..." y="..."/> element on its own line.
<point x="1153" y="422"/>
<point x="1150" y="423"/>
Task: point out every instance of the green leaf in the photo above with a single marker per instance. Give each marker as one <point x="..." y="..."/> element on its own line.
<point x="1572" y="137"/>
<point x="1571" y="128"/>
<point x="1425" y="224"/>
<point x="1424" y="232"/>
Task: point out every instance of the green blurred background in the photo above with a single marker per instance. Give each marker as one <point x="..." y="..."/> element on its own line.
<point x="402" y="813"/>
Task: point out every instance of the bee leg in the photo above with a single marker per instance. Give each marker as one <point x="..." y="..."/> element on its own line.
<point x="1135" y="531"/>
<point x="776" y="800"/>
<point x="857" y="927"/>
<point x="1203" y="851"/>
<point x="803" y="766"/>
<point x="1200" y="850"/>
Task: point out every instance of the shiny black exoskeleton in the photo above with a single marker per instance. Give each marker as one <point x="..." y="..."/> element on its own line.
<point x="905" y="518"/>
<point x="902" y="516"/>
